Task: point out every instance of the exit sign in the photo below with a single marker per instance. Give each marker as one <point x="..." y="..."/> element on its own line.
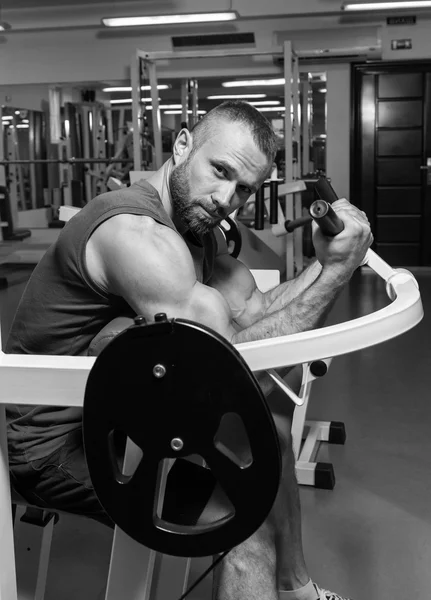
<point x="401" y="44"/>
<point x="401" y="20"/>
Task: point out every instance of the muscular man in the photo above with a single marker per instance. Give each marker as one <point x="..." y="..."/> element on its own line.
<point x="151" y="248"/>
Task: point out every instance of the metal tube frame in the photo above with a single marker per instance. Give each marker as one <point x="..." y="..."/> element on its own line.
<point x="288" y="157"/>
<point x="47" y="161"/>
<point x="291" y="74"/>
<point x="157" y="122"/>
<point x="185" y="100"/>
<point x="31" y="143"/>
<point x="305" y="126"/>
<point x="135" y="72"/>
<point x="195" y="103"/>
<point x="150" y="58"/>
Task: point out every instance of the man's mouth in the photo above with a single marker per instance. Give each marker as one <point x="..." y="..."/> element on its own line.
<point x="212" y="213"/>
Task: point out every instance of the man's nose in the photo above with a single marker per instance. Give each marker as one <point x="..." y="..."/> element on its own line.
<point x="223" y="196"/>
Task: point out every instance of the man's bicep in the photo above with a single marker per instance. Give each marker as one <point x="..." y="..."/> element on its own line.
<point x="238" y="286"/>
<point x="154" y="272"/>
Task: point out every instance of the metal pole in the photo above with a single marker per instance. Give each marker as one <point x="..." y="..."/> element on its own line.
<point x="72" y="161"/>
<point x="110" y="128"/>
<point x="195" y="101"/>
<point x="157" y="125"/>
<point x="85" y="111"/>
<point x="13" y="179"/>
<point x="181" y="54"/>
<point x="2" y="171"/>
<point x="296" y="117"/>
<point x="135" y="71"/>
<point x="31" y="153"/>
<point x="54" y="115"/>
<point x="305" y="88"/>
<point x="297" y="198"/>
<point x="288" y="146"/>
<point x="185" y="100"/>
<point x="8" y="587"/>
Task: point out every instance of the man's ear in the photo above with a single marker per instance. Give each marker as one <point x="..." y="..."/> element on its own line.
<point x="182" y="146"/>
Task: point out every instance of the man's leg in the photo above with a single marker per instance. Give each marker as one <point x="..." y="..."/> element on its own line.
<point x="271" y="559"/>
<point x="61" y="481"/>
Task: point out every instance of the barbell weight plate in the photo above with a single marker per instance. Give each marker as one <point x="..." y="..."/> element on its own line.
<point x="177" y="380"/>
<point x="232" y="235"/>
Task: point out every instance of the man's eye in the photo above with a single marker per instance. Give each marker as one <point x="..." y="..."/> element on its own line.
<point x="245" y="189"/>
<point x="220" y="169"/>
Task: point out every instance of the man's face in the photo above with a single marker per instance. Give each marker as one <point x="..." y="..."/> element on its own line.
<point x="218" y="178"/>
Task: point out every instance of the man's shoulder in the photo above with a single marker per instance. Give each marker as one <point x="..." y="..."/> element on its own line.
<point x="139" y="190"/>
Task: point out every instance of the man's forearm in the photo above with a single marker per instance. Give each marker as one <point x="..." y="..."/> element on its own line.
<point x="306" y="311"/>
<point x="283" y="294"/>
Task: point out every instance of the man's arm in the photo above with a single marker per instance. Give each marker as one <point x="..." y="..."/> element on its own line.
<point x="150" y="266"/>
<point x="287" y="309"/>
<point x="286" y="292"/>
<point x="248" y="304"/>
<point x="302" y="303"/>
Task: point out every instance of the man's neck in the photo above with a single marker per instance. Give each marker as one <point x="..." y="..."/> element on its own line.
<point x="160" y="181"/>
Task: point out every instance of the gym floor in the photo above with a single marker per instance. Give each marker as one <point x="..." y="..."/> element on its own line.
<point x="370" y="537"/>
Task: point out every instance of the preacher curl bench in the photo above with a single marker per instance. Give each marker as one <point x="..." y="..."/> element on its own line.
<point x="141" y="379"/>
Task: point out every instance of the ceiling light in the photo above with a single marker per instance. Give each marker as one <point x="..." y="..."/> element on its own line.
<point x="235" y="96"/>
<point x="271" y="108"/>
<point x="168" y="106"/>
<point x="162" y="86"/>
<point x="180" y="112"/>
<point x="387" y="5"/>
<point x="322" y="90"/>
<point x="209" y="17"/>
<point x="7" y="118"/>
<point x="22" y="126"/>
<point x="129" y="100"/>
<point x="253" y="82"/>
<point x="265" y="103"/>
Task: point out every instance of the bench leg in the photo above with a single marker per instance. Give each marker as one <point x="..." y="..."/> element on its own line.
<point x="137" y="573"/>
<point x="8" y="590"/>
<point x="33" y="537"/>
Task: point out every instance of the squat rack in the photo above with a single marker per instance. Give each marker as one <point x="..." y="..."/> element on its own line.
<point x="147" y="61"/>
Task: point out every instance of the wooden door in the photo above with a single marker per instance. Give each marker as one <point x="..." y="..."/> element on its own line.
<point x="391" y="148"/>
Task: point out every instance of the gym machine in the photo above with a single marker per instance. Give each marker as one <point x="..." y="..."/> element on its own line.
<point x="168" y="524"/>
<point x="144" y="64"/>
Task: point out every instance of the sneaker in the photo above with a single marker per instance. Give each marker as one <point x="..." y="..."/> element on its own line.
<point x="326" y="594"/>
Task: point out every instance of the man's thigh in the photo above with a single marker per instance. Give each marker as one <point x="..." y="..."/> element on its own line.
<point x="61" y="481"/>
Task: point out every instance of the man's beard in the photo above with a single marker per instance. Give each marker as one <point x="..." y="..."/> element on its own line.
<point x="186" y="208"/>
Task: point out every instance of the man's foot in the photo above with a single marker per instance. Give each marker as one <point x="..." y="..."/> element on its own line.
<point x="327" y="595"/>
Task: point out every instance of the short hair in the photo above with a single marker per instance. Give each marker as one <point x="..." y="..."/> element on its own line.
<point x="238" y="111"/>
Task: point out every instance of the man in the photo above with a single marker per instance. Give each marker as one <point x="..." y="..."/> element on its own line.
<point x="149" y="249"/>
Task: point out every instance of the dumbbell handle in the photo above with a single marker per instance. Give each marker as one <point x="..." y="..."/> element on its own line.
<point x="326" y="218"/>
<point x="325" y="190"/>
<point x="291" y="225"/>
